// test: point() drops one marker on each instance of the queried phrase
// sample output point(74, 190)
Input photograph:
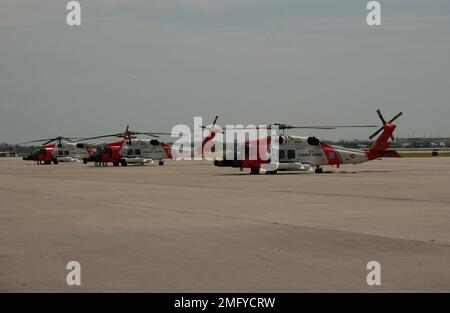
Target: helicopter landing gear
point(115, 163)
point(319, 170)
point(55, 161)
point(161, 162)
point(123, 163)
point(272, 172)
point(254, 170)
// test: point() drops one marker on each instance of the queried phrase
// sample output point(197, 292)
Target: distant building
point(417, 142)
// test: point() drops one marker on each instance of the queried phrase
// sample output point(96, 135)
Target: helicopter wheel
point(272, 172)
point(55, 161)
point(319, 170)
point(161, 162)
point(47, 162)
point(115, 163)
point(254, 170)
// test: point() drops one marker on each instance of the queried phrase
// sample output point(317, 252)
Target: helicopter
point(58, 149)
point(301, 153)
point(129, 149)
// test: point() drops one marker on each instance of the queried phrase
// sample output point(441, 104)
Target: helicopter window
point(281, 155)
point(137, 151)
point(313, 141)
point(66, 152)
point(291, 154)
point(60, 153)
point(130, 152)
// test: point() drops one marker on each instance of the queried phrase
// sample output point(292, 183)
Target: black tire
point(272, 172)
point(319, 170)
point(115, 163)
point(254, 170)
point(47, 162)
point(123, 163)
point(85, 161)
point(161, 162)
point(55, 161)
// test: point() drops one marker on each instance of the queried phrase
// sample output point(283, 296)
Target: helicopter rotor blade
point(283, 126)
point(151, 134)
point(377, 132)
point(34, 141)
point(99, 137)
point(381, 116)
point(331, 126)
point(215, 120)
point(396, 117)
point(49, 140)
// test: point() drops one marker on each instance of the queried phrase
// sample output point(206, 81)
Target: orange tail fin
point(379, 147)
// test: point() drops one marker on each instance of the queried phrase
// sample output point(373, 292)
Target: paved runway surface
point(189, 226)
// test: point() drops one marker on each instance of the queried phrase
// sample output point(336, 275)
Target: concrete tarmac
point(192, 227)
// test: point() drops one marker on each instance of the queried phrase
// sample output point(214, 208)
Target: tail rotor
point(384, 123)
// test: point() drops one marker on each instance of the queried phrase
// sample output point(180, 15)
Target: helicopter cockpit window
point(281, 155)
point(137, 151)
point(60, 153)
point(313, 141)
point(67, 152)
point(130, 152)
point(35, 152)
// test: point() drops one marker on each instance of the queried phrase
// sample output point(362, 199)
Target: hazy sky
point(154, 64)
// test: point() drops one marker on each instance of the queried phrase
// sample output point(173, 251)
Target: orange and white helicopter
point(129, 149)
point(58, 149)
point(299, 153)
